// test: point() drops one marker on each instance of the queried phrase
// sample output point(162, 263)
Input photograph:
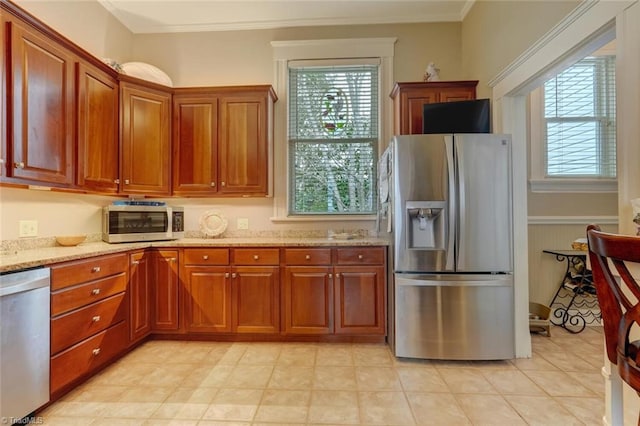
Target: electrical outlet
point(28, 228)
point(243, 223)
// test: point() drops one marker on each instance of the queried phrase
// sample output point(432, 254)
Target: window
point(580, 120)
point(333, 138)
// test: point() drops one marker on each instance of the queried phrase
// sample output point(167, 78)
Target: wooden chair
point(619, 298)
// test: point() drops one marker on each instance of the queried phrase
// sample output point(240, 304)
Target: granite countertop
point(36, 257)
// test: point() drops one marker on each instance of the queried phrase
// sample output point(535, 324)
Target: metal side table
point(575, 300)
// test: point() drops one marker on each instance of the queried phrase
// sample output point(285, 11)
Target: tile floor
point(209, 383)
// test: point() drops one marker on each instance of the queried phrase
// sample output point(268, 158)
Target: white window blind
point(333, 139)
point(580, 120)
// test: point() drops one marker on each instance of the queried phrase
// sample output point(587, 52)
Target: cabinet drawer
point(257, 256)
point(75, 326)
point(76, 297)
point(85, 270)
point(307, 256)
point(360, 256)
point(87, 355)
point(206, 256)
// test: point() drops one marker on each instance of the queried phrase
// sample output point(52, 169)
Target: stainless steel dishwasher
point(24, 349)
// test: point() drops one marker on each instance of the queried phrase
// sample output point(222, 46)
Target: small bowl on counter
point(70, 240)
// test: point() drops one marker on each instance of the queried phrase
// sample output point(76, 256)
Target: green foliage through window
point(333, 139)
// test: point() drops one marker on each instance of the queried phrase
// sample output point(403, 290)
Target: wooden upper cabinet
point(222, 140)
point(145, 140)
point(3, 96)
point(245, 140)
point(195, 144)
point(97, 127)
point(408, 99)
point(42, 107)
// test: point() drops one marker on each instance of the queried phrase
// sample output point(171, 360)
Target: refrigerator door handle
point(451, 231)
point(461, 224)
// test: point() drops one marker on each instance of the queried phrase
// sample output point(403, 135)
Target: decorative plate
point(213, 223)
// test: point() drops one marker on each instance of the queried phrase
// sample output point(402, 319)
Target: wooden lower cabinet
point(139, 297)
point(307, 300)
point(89, 312)
point(164, 291)
point(255, 299)
point(207, 299)
point(359, 300)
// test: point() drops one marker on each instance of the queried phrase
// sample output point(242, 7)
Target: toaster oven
point(142, 222)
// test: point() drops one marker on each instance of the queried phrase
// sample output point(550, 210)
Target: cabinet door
point(453, 94)
point(195, 145)
point(412, 119)
point(43, 112)
point(307, 300)
point(256, 299)
point(359, 299)
point(207, 299)
point(244, 144)
point(145, 140)
point(3, 97)
point(139, 293)
point(97, 128)
point(165, 290)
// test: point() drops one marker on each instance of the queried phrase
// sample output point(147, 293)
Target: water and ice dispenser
point(426, 225)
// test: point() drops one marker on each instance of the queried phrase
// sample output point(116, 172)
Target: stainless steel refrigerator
point(446, 202)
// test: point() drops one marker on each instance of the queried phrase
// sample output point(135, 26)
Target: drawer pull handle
point(135, 262)
point(96, 318)
point(307, 257)
point(360, 256)
point(95, 291)
point(256, 257)
point(96, 352)
point(95, 269)
point(173, 259)
point(205, 257)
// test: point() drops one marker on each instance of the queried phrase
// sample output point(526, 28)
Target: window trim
point(334, 49)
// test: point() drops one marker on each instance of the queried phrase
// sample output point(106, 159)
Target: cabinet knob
point(126, 181)
point(1, 160)
point(205, 257)
point(95, 269)
point(135, 262)
point(213, 184)
point(330, 276)
point(223, 184)
point(173, 259)
point(360, 257)
point(308, 257)
point(96, 352)
point(233, 275)
point(226, 275)
point(96, 318)
point(116, 181)
point(337, 276)
point(19, 165)
point(95, 291)
point(256, 257)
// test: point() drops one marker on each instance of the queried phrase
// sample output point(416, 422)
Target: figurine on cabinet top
point(432, 73)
